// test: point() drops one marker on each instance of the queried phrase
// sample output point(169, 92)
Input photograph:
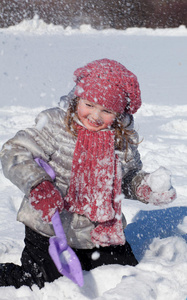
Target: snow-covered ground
point(36, 66)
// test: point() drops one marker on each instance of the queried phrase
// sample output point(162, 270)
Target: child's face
point(94, 116)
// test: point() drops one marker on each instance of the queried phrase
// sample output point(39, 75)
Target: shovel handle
point(49, 170)
point(57, 225)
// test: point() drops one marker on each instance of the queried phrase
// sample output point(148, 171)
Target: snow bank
point(38, 26)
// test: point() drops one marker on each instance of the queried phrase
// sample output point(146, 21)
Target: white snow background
point(36, 68)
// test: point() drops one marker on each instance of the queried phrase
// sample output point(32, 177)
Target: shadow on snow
point(148, 225)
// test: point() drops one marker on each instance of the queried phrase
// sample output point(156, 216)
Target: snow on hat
point(108, 83)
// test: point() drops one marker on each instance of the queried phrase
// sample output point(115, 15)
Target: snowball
point(160, 180)
point(95, 255)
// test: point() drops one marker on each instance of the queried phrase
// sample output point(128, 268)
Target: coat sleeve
point(17, 157)
point(132, 173)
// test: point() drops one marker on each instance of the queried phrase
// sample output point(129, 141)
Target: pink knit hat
point(108, 83)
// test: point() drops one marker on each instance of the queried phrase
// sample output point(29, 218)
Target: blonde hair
point(121, 131)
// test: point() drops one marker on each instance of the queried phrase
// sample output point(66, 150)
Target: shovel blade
point(66, 262)
point(71, 266)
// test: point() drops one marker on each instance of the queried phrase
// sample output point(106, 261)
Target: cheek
point(109, 120)
point(81, 111)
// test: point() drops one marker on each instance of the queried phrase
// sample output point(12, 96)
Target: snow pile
point(37, 62)
point(160, 180)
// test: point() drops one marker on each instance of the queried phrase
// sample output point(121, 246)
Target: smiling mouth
point(95, 124)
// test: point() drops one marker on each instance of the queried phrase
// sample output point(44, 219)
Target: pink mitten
point(47, 198)
point(156, 188)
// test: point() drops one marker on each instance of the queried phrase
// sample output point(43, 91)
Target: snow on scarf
point(95, 185)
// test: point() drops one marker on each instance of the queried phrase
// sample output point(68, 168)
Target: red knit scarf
point(95, 185)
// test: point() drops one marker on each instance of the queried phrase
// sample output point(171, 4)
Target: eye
point(89, 105)
point(107, 111)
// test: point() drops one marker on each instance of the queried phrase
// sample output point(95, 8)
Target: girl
point(92, 148)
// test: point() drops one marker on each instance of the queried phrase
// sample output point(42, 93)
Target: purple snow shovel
point(63, 256)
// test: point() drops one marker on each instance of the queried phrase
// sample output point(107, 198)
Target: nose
point(96, 114)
